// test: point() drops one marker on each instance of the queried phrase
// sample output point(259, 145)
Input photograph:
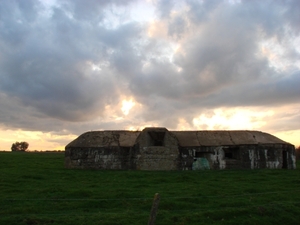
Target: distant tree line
point(19, 146)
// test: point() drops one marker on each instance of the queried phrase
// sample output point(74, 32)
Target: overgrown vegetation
point(37, 189)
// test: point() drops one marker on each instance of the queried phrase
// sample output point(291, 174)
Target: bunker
point(156, 148)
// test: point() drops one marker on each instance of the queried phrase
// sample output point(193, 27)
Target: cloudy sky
point(71, 66)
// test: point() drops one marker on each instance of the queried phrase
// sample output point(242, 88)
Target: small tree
point(19, 146)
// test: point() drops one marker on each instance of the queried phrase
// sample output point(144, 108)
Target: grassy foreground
point(35, 188)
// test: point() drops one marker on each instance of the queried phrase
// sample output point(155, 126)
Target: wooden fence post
point(154, 209)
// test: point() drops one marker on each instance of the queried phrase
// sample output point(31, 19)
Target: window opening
point(231, 152)
point(126, 149)
point(157, 138)
point(199, 154)
point(228, 155)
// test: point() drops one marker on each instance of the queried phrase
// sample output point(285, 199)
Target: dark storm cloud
point(259, 93)
point(224, 50)
point(47, 60)
point(47, 67)
point(220, 63)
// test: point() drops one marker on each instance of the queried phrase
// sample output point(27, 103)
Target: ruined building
point(160, 149)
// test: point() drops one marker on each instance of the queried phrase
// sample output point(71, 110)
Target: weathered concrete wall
point(114, 158)
point(272, 156)
point(160, 149)
point(157, 158)
point(204, 157)
point(157, 149)
point(166, 158)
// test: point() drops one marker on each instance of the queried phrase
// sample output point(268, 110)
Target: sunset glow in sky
point(71, 66)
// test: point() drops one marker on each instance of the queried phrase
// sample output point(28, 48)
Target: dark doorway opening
point(199, 154)
point(284, 159)
point(228, 155)
point(231, 152)
point(157, 138)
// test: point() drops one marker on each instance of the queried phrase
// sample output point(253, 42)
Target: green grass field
point(37, 189)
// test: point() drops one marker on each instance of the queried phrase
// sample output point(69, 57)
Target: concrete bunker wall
point(160, 149)
point(157, 149)
point(113, 158)
point(273, 156)
point(102, 150)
